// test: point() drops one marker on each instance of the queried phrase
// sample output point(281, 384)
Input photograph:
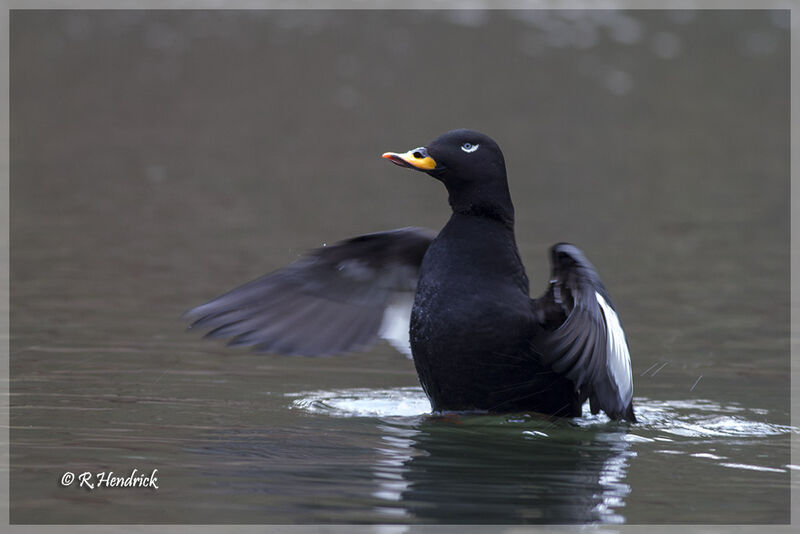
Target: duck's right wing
point(336, 299)
point(581, 336)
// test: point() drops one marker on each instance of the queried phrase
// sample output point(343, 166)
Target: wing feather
point(333, 300)
point(580, 336)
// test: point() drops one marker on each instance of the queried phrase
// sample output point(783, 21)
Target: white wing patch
point(618, 362)
point(396, 323)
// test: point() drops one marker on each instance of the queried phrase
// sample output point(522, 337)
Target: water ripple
point(364, 402)
point(696, 418)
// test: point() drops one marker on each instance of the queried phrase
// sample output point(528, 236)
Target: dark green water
point(160, 158)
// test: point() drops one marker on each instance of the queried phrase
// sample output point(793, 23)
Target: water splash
point(696, 418)
point(702, 418)
point(364, 402)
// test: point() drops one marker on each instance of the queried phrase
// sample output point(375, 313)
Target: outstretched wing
point(581, 336)
point(336, 299)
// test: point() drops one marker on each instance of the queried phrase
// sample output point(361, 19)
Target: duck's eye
point(469, 147)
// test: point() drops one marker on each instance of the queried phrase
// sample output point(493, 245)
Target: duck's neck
point(492, 201)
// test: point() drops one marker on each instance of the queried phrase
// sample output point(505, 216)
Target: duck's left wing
point(580, 335)
point(335, 299)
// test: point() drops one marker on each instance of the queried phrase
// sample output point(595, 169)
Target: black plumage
point(329, 302)
point(479, 342)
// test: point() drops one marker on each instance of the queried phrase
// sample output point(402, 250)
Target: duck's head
point(471, 166)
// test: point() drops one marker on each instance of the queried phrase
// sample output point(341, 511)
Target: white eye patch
point(469, 147)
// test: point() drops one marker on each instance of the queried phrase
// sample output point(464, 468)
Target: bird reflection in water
point(487, 470)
